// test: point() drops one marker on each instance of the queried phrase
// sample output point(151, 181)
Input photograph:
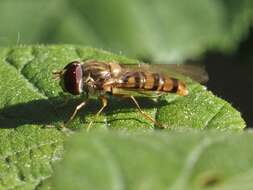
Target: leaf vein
point(37, 180)
point(28, 149)
point(192, 160)
point(20, 71)
point(116, 173)
point(214, 116)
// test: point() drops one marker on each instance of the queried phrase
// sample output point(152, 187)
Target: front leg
point(78, 107)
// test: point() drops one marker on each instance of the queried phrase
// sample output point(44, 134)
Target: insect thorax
point(95, 74)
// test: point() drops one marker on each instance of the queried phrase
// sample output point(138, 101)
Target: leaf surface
point(175, 160)
point(30, 112)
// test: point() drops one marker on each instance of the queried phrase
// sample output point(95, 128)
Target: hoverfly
point(101, 79)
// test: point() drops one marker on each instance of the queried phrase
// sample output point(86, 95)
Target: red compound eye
point(73, 78)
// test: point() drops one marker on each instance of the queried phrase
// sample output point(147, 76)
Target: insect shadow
point(51, 111)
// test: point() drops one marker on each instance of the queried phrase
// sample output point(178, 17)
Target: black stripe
point(156, 81)
point(175, 85)
point(126, 77)
point(137, 79)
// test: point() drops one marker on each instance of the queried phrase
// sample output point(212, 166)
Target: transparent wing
point(196, 72)
point(136, 92)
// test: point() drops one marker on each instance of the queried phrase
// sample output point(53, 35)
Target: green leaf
point(160, 160)
point(30, 113)
point(164, 30)
point(28, 89)
point(26, 156)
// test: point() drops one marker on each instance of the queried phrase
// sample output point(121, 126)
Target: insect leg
point(104, 104)
point(75, 112)
point(145, 114)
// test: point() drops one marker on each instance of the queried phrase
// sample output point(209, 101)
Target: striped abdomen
point(151, 82)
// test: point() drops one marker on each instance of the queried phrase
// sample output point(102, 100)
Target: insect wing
point(196, 72)
point(136, 93)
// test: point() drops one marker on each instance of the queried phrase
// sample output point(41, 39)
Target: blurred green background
point(160, 30)
point(215, 32)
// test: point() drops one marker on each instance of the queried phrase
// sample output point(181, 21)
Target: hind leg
point(145, 114)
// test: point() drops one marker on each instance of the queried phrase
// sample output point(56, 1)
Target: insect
point(124, 80)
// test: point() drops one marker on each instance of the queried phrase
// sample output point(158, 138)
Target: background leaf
point(163, 30)
point(29, 112)
point(174, 160)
